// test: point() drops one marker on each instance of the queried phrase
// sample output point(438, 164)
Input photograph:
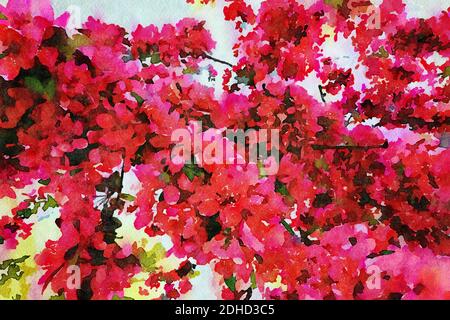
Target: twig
point(122, 172)
point(326, 147)
point(216, 60)
point(322, 94)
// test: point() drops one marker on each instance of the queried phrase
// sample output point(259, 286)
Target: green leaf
point(5, 264)
point(12, 269)
point(34, 85)
point(261, 169)
point(382, 53)
point(50, 203)
point(446, 72)
point(192, 171)
point(334, 3)
point(373, 221)
point(189, 172)
point(281, 188)
point(13, 272)
point(44, 182)
point(37, 86)
point(242, 80)
point(148, 260)
point(25, 213)
point(2, 240)
point(212, 226)
point(50, 89)
point(321, 164)
point(59, 297)
point(193, 274)
point(75, 171)
point(155, 58)
point(72, 44)
point(127, 197)
point(386, 252)
point(35, 208)
point(231, 283)
point(189, 70)
point(116, 297)
point(138, 98)
point(288, 227)
point(227, 231)
point(164, 177)
point(246, 76)
point(253, 280)
point(3, 17)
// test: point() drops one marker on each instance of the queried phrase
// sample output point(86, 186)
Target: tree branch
point(322, 94)
point(122, 173)
point(327, 147)
point(207, 56)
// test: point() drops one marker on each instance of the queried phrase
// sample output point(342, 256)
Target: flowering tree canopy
point(363, 184)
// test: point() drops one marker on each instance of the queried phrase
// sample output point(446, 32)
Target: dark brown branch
point(327, 147)
point(322, 94)
point(418, 123)
point(207, 56)
point(122, 173)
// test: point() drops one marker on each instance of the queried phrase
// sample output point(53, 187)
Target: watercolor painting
point(224, 149)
